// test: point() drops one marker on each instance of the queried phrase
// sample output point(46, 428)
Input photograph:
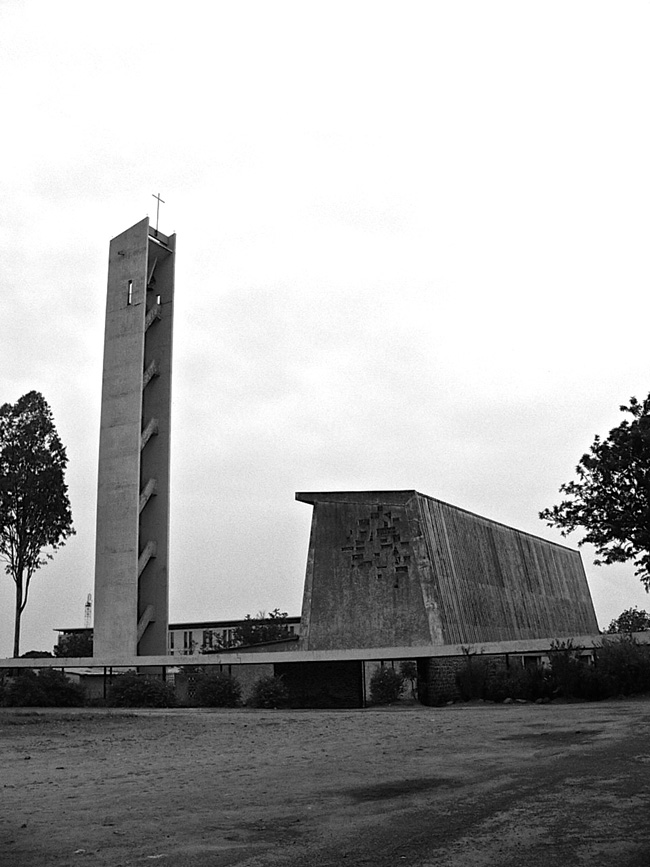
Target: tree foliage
point(409, 670)
point(35, 517)
point(611, 497)
point(253, 630)
point(74, 645)
point(624, 667)
point(45, 688)
point(630, 620)
point(263, 627)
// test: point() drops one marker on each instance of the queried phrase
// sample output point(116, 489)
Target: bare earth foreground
point(476, 785)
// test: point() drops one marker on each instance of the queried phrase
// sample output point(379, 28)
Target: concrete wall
point(437, 678)
point(397, 568)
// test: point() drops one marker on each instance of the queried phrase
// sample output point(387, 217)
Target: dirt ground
point(464, 786)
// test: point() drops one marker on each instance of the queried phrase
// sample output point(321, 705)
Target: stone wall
point(438, 678)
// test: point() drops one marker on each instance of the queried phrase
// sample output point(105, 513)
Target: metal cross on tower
point(158, 201)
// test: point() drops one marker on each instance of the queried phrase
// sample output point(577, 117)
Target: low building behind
point(204, 636)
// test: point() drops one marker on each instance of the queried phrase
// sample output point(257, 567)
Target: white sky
point(412, 253)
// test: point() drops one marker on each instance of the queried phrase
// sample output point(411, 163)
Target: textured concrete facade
point(397, 568)
point(132, 544)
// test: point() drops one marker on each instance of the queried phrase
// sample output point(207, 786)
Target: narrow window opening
point(157, 299)
point(129, 295)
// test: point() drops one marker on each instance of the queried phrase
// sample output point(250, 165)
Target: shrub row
point(51, 688)
point(619, 668)
point(45, 688)
point(211, 689)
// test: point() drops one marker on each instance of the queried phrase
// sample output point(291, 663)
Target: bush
point(620, 668)
point(623, 667)
point(566, 668)
point(386, 685)
point(530, 683)
point(61, 691)
point(47, 688)
point(487, 679)
point(573, 676)
point(138, 690)
point(217, 689)
point(270, 692)
point(592, 686)
point(503, 683)
point(24, 690)
point(471, 678)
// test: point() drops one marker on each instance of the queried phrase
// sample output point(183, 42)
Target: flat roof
point(249, 657)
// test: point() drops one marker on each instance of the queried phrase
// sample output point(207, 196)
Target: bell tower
point(132, 542)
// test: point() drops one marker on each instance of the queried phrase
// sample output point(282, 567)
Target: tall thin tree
point(35, 515)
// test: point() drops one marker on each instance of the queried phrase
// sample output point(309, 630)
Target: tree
point(252, 630)
point(630, 620)
point(261, 628)
point(408, 668)
point(611, 497)
point(35, 516)
point(74, 645)
point(45, 688)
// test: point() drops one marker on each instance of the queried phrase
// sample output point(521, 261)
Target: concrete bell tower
point(132, 543)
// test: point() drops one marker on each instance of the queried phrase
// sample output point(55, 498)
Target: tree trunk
point(19, 601)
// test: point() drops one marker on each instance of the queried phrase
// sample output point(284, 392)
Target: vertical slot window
point(129, 293)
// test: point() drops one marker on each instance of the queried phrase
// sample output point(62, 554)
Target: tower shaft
point(132, 543)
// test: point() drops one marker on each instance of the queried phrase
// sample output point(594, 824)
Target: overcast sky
point(412, 253)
